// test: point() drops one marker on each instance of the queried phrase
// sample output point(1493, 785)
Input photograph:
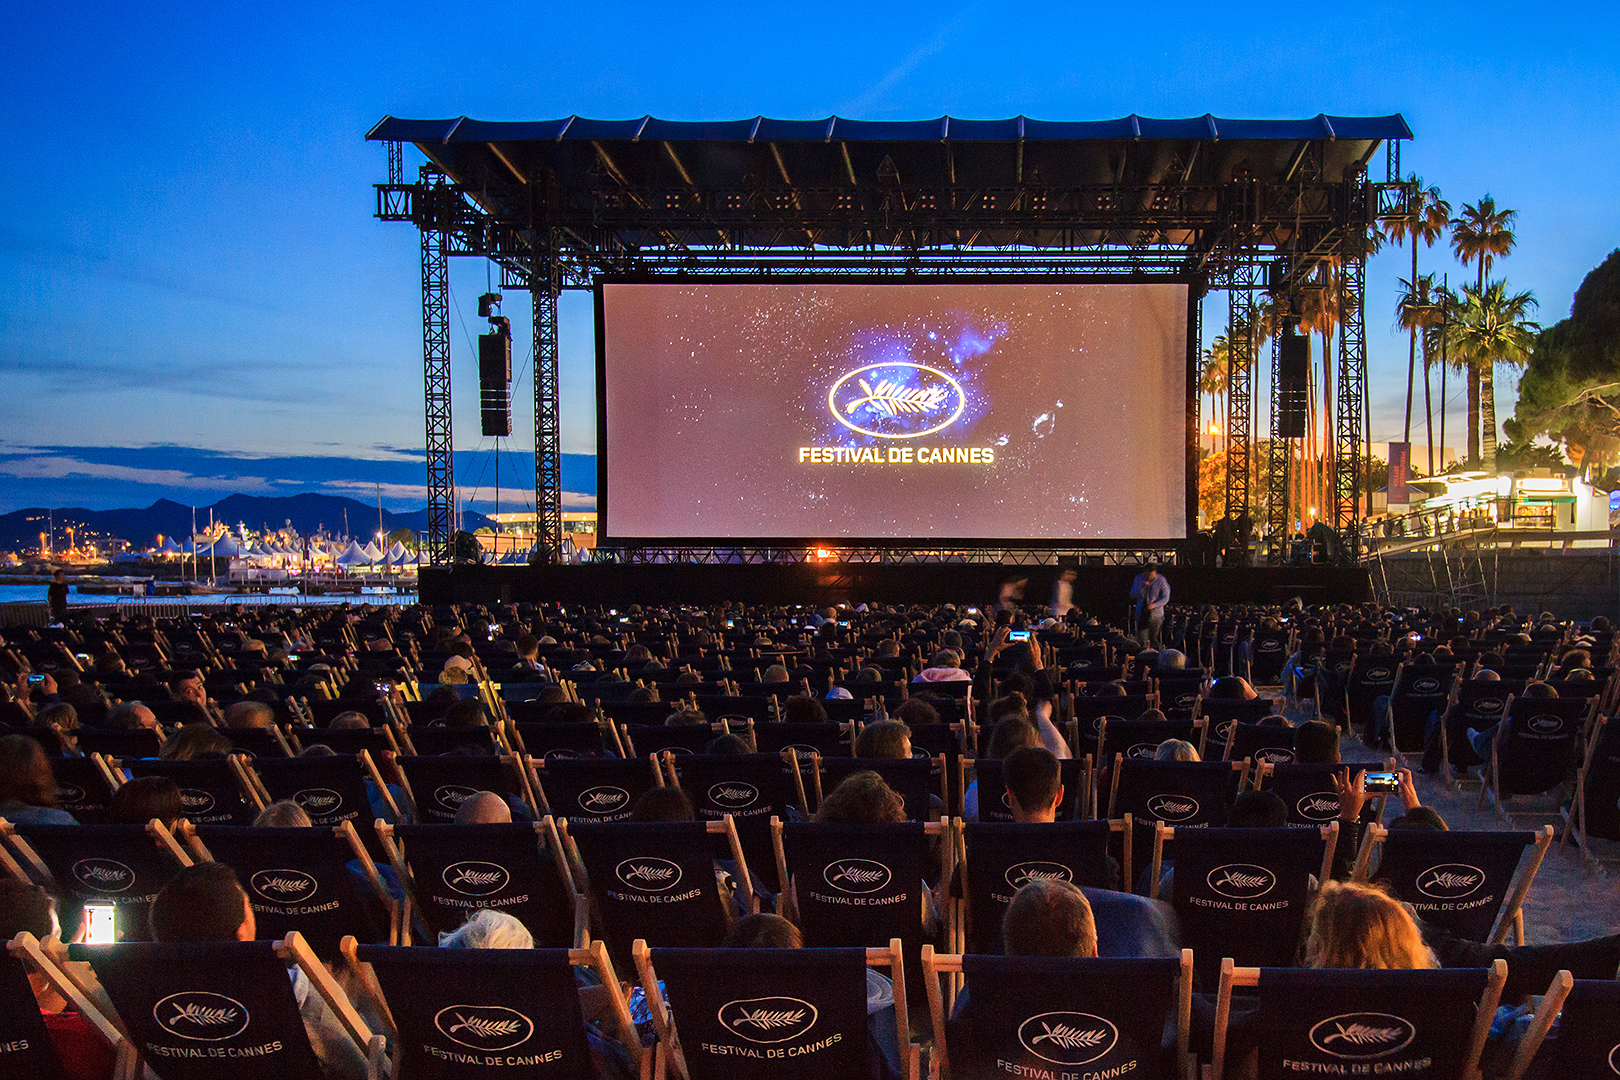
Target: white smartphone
point(99, 924)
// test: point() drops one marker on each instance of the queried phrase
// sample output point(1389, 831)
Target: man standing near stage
point(1151, 592)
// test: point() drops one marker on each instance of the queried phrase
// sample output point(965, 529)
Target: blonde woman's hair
point(1176, 750)
point(1350, 925)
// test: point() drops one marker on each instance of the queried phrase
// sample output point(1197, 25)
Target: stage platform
point(1098, 589)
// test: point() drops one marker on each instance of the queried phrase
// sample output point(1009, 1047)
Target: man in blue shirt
point(1151, 592)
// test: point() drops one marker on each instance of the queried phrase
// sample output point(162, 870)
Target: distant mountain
point(307, 513)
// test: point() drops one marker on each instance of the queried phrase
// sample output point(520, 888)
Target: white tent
point(353, 556)
point(168, 547)
point(373, 552)
point(225, 547)
point(399, 556)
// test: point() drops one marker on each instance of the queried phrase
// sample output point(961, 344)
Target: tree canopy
point(1571, 389)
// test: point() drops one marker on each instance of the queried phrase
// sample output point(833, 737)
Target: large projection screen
point(1024, 413)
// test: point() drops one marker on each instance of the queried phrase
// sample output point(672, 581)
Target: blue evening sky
point(195, 298)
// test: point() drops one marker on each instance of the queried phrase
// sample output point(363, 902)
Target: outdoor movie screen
point(892, 412)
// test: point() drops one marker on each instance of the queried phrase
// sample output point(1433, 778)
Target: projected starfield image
point(1017, 412)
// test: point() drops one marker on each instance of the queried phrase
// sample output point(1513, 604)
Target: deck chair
point(1242, 893)
point(1480, 705)
point(213, 791)
point(1371, 677)
point(375, 741)
point(439, 785)
point(639, 740)
point(299, 879)
point(994, 803)
point(770, 1014)
point(84, 787)
point(487, 1012)
point(828, 740)
point(1089, 710)
point(1039, 1016)
point(1174, 792)
point(1141, 738)
point(553, 741)
point(1260, 743)
point(856, 884)
point(211, 1010)
point(1307, 791)
point(253, 743)
point(429, 741)
point(1588, 1042)
point(1244, 710)
point(330, 789)
point(27, 1051)
point(1596, 809)
point(1420, 692)
point(1269, 650)
point(1429, 1024)
point(656, 881)
point(118, 742)
point(1537, 749)
point(916, 779)
point(451, 871)
point(1469, 883)
point(750, 789)
point(121, 865)
point(999, 858)
point(592, 789)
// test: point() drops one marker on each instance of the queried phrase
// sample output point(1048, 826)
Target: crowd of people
point(204, 687)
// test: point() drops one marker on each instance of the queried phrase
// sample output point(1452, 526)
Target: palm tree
point(1425, 219)
point(1318, 310)
point(1417, 311)
point(1492, 328)
point(1482, 233)
point(1215, 380)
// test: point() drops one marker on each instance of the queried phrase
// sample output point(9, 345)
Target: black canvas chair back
point(995, 805)
point(1588, 1043)
point(1483, 702)
point(1455, 880)
point(26, 1050)
point(1179, 793)
point(483, 1012)
point(82, 788)
point(554, 741)
point(1259, 742)
point(1002, 858)
point(653, 881)
point(1306, 790)
point(1241, 893)
point(936, 740)
point(804, 739)
point(330, 789)
point(1038, 1017)
point(374, 741)
point(1597, 812)
point(1179, 696)
point(1088, 710)
point(1540, 746)
point(856, 884)
point(202, 1011)
point(1425, 1024)
point(1141, 738)
point(1420, 691)
point(644, 739)
point(1371, 677)
point(255, 742)
point(119, 742)
point(122, 865)
point(768, 1014)
point(1220, 710)
point(210, 793)
point(749, 787)
point(441, 784)
point(590, 789)
point(297, 879)
point(455, 870)
point(916, 779)
point(1270, 653)
point(429, 741)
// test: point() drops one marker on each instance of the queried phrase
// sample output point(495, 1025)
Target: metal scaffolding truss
point(1046, 556)
point(1221, 204)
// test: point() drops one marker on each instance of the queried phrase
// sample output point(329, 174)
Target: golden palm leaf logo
point(896, 400)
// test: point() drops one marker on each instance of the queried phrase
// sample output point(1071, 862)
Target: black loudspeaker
point(1292, 378)
point(494, 382)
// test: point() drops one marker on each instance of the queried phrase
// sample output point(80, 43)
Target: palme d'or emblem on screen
point(896, 400)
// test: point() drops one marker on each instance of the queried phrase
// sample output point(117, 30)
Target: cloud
point(367, 490)
point(875, 95)
point(59, 468)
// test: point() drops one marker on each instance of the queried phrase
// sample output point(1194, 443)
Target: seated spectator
point(946, 666)
point(1483, 741)
point(884, 739)
point(1316, 743)
point(255, 715)
point(468, 713)
point(861, 799)
point(194, 742)
point(28, 790)
point(1176, 750)
point(1232, 688)
point(776, 673)
point(1049, 918)
point(917, 712)
point(206, 903)
point(1258, 810)
point(283, 814)
point(728, 745)
point(84, 1053)
point(488, 929)
point(1170, 662)
point(1034, 784)
point(685, 717)
point(131, 715)
point(55, 725)
point(804, 709)
point(349, 721)
point(1351, 925)
point(663, 804)
point(483, 808)
point(138, 801)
